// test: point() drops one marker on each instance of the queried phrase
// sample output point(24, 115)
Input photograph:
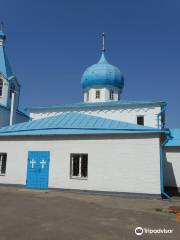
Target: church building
point(9, 91)
point(103, 144)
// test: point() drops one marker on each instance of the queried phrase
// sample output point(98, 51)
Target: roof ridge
point(102, 104)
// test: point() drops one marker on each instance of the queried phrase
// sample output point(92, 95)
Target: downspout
point(162, 159)
point(163, 109)
point(12, 109)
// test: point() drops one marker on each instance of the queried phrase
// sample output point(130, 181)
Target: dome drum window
point(111, 94)
point(98, 94)
point(1, 87)
point(87, 96)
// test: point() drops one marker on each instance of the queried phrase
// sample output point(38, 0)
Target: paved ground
point(61, 215)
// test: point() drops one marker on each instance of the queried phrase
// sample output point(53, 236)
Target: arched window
point(1, 87)
point(12, 89)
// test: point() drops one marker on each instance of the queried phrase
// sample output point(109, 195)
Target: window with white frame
point(111, 94)
point(79, 165)
point(98, 94)
point(3, 158)
point(1, 87)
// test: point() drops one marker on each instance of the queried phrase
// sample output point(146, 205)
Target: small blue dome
point(101, 74)
point(2, 35)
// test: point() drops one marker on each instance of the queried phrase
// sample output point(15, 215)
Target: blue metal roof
point(102, 73)
point(99, 105)
point(175, 141)
point(5, 68)
point(17, 111)
point(73, 123)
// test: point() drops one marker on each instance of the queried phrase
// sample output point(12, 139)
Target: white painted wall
point(172, 167)
point(128, 114)
point(126, 164)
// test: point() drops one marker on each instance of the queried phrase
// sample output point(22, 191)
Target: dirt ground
point(63, 215)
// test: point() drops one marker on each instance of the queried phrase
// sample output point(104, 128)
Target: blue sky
point(51, 42)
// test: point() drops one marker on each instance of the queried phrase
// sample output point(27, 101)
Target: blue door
point(38, 169)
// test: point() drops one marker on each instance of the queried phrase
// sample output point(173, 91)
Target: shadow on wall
point(171, 187)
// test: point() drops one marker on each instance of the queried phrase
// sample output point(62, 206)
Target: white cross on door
point(43, 163)
point(32, 162)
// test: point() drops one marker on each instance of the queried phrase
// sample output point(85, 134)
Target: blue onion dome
point(101, 74)
point(2, 35)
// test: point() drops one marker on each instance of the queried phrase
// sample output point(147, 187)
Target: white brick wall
point(121, 114)
point(172, 167)
point(127, 164)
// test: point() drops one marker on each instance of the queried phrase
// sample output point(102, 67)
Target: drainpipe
point(12, 108)
point(162, 159)
point(163, 109)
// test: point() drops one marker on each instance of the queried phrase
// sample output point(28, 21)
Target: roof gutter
point(162, 159)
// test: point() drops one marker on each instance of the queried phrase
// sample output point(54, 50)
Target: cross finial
point(103, 42)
